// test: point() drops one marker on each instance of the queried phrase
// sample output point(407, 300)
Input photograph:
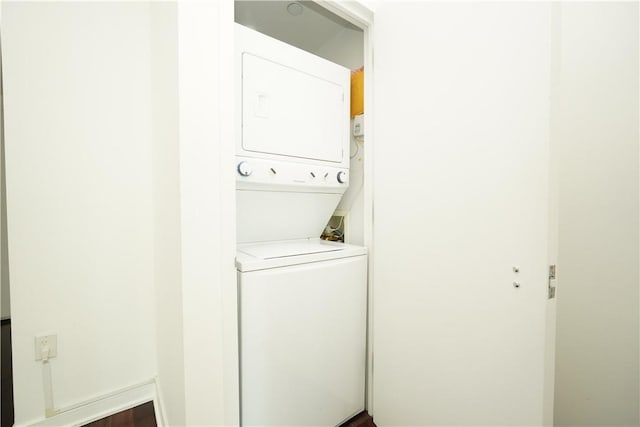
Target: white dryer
point(294, 106)
point(292, 139)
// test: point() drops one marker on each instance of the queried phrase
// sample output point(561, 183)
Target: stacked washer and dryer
point(302, 300)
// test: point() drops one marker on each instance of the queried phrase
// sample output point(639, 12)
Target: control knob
point(244, 168)
point(342, 177)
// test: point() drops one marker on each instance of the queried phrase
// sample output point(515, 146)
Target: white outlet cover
point(46, 340)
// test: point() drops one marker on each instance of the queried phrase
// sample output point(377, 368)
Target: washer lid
point(286, 249)
point(260, 256)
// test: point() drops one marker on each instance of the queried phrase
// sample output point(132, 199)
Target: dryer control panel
point(253, 173)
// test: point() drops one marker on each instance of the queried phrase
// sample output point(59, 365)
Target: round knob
point(342, 177)
point(244, 168)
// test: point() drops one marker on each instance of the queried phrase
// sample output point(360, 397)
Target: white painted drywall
point(5, 307)
point(79, 196)
point(309, 31)
point(207, 197)
point(200, 210)
point(166, 207)
point(461, 141)
point(595, 132)
point(346, 48)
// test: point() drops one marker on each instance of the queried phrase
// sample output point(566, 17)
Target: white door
point(302, 343)
point(461, 186)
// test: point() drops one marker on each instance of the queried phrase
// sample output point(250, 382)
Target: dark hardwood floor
point(363, 419)
point(139, 416)
point(143, 416)
point(6, 374)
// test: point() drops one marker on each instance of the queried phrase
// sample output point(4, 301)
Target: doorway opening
point(339, 33)
point(310, 27)
point(5, 315)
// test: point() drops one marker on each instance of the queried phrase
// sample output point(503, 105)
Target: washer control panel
point(252, 172)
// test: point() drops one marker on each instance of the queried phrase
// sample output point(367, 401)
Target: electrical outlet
point(46, 341)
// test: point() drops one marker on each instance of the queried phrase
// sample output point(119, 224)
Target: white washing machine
point(302, 332)
point(302, 301)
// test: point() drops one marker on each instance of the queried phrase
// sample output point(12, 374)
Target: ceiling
point(309, 31)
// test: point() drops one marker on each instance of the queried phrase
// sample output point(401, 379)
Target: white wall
point(345, 48)
point(122, 241)
point(166, 206)
point(207, 197)
point(5, 307)
point(79, 195)
point(461, 183)
point(595, 132)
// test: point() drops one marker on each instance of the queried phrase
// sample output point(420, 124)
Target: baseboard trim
point(103, 406)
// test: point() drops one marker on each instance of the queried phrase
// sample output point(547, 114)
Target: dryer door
point(289, 112)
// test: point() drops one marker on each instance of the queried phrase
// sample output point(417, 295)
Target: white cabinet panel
point(282, 215)
point(302, 343)
point(461, 185)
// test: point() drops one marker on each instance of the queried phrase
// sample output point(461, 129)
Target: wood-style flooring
point(139, 416)
point(363, 419)
point(143, 416)
point(6, 371)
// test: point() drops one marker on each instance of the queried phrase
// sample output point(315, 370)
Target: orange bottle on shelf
point(357, 92)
